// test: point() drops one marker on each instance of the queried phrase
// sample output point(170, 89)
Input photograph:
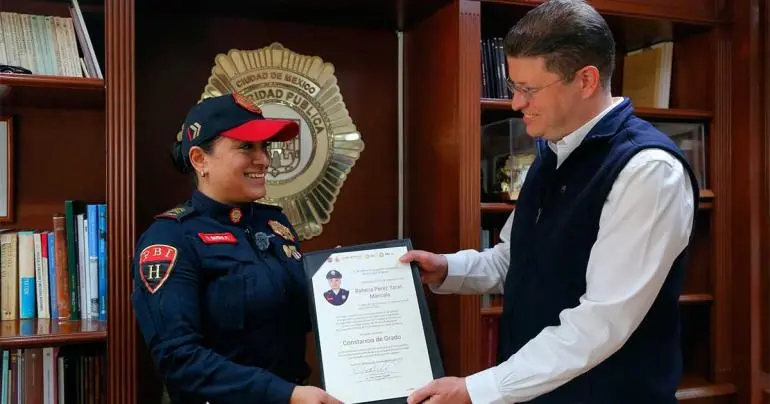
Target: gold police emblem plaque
point(307, 173)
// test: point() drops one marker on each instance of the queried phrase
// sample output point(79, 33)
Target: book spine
point(26, 275)
point(63, 281)
point(102, 209)
point(52, 281)
point(9, 303)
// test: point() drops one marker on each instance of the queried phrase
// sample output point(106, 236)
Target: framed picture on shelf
point(507, 152)
point(6, 169)
point(690, 137)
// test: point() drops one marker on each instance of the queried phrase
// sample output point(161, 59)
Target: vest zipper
point(537, 218)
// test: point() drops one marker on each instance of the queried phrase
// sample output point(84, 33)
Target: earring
point(204, 174)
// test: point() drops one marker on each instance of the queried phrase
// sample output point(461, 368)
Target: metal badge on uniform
point(262, 241)
point(218, 238)
point(235, 215)
point(281, 230)
point(155, 265)
point(291, 251)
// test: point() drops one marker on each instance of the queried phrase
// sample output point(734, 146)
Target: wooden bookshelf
point(716, 285)
point(20, 90)
point(47, 332)
point(667, 113)
point(687, 298)
point(706, 202)
point(62, 150)
point(694, 388)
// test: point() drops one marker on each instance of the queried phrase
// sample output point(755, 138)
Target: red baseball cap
point(257, 130)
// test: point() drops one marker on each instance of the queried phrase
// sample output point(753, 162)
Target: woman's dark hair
point(180, 159)
point(568, 34)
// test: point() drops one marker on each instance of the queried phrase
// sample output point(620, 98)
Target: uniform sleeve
point(166, 303)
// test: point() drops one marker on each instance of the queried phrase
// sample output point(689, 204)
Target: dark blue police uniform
point(221, 301)
point(338, 297)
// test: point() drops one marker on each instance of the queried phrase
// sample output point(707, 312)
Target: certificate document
point(374, 338)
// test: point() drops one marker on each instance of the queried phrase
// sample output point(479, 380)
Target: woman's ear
point(197, 159)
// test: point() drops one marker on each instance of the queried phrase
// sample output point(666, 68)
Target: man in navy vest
point(591, 262)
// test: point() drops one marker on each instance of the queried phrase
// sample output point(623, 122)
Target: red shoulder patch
point(155, 265)
point(218, 238)
point(246, 103)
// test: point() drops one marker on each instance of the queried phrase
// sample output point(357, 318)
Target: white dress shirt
point(644, 225)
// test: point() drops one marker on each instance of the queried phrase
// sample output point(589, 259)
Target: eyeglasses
point(526, 92)
point(14, 69)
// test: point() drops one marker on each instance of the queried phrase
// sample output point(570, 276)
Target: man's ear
point(590, 80)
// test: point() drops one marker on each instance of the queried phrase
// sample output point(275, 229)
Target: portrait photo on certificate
point(374, 338)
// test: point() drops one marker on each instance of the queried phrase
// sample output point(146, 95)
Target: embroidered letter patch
point(218, 238)
point(155, 265)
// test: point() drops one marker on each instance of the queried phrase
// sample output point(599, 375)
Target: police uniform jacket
point(221, 302)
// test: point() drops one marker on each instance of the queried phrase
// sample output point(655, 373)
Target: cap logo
point(246, 103)
point(193, 131)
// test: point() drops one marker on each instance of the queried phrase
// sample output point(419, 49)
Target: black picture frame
point(314, 260)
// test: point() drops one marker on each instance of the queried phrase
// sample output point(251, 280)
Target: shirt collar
point(562, 148)
point(224, 213)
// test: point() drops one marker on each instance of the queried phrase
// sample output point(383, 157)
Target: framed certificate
point(374, 337)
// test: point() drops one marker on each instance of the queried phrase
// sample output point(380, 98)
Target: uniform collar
point(564, 147)
point(222, 212)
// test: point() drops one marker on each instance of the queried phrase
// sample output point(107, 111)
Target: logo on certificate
point(336, 295)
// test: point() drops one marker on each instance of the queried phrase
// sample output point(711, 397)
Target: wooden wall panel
point(469, 125)
point(122, 380)
point(749, 181)
point(761, 282)
point(721, 149)
point(443, 195)
point(174, 60)
point(433, 157)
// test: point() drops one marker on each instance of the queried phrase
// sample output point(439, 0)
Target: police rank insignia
point(291, 251)
point(178, 212)
point(235, 215)
point(281, 230)
point(155, 265)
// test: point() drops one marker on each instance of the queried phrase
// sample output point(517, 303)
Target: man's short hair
point(568, 34)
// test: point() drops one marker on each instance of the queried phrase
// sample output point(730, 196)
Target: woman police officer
point(220, 295)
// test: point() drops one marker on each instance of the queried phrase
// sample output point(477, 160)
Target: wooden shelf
point(696, 298)
point(687, 298)
point(693, 388)
point(24, 90)
point(706, 202)
point(658, 113)
point(497, 207)
point(45, 332)
point(691, 11)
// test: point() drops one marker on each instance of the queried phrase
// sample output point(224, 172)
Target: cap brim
point(260, 130)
